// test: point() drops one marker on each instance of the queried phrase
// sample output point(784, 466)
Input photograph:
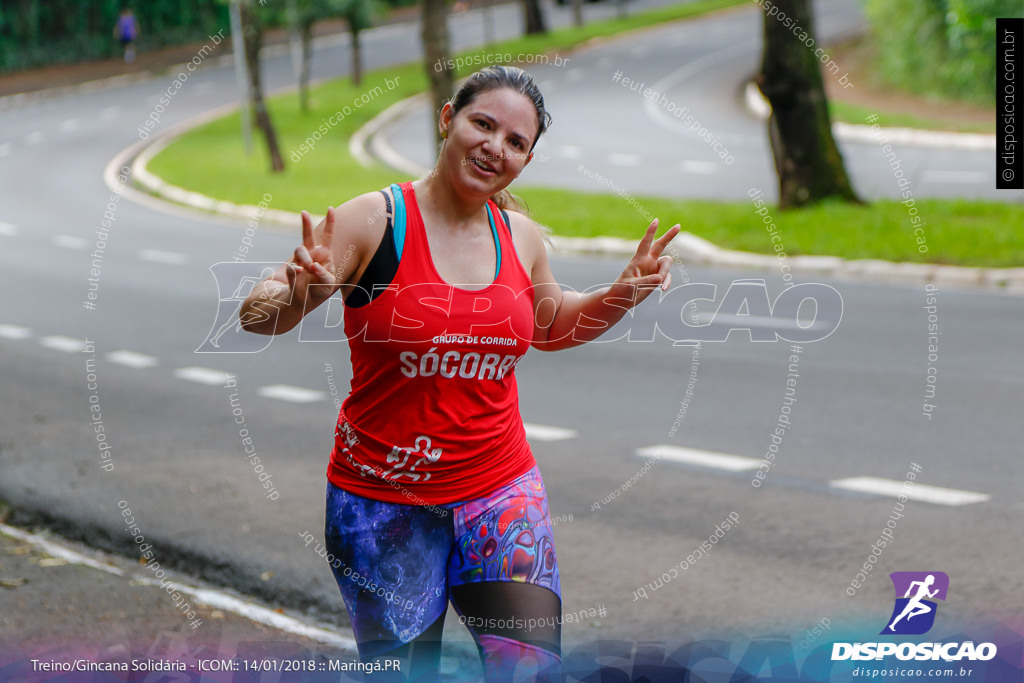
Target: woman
point(433, 493)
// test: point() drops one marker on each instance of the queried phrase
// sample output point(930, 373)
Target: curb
point(855, 132)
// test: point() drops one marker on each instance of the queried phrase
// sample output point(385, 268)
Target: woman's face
point(489, 140)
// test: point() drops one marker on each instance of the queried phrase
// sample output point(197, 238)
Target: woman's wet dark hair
point(498, 76)
point(492, 78)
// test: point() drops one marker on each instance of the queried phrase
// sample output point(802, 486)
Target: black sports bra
point(381, 269)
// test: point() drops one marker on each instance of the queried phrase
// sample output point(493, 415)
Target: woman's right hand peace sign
point(311, 270)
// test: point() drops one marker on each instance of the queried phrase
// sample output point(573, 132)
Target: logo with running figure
point(914, 612)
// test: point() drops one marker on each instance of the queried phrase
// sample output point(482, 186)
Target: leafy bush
point(944, 48)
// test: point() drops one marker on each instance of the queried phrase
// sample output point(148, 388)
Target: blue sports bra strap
point(399, 226)
point(497, 241)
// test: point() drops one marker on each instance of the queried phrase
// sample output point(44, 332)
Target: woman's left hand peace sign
point(648, 269)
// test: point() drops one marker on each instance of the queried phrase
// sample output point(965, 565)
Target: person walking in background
point(127, 31)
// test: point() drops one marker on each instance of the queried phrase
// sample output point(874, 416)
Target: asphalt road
point(176, 456)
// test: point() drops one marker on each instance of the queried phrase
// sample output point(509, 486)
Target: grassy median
point(210, 159)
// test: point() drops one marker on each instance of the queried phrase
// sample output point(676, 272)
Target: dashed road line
point(619, 159)
point(760, 321)
point(5, 149)
point(132, 359)
point(15, 332)
point(207, 376)
point(8, 230)
point(159, 256)
point(548, 433)
point(569, 151)
point(59, 342)
point(68, 125)
point(69, 242)
point(699, 167)
point(574, 75)
point(937, 495)
point(34, 138)
point(693, 456)
point(287, 392)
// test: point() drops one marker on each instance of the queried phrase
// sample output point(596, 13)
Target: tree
point(359, 14)
point(807, 160)
point(303, 14)
point(534, 17)
point(437, 56)
point(577, 12)
point(252, 39)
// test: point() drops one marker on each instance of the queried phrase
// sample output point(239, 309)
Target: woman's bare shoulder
point(528, 237)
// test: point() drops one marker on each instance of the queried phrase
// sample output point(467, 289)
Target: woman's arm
point(330, 256)
point(566, 319)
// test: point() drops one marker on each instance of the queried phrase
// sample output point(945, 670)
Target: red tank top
point(433, 412)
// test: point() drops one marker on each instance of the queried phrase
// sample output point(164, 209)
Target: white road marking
point(15, 332)
point(34, 138)
point(640, 51)
point(569, 151)
point(286, 392)
point(131, 359)
point(68, 126)
point(202, 375)
point(693, 456)
point(955, 177)
point(8, 230)
point(546, 433)
point(69, 241)
point(760, 321)
point(59, 342)
point(573, 75)
point(51, 548)
point(701, 167)
point(603, 62)
point(257, 613)
point(5, 149)
point(210, 598)
point(619, 159)
point(109, 112)
point(158, 256)
point(936, 495)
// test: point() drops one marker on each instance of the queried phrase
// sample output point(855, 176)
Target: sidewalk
point(66, 605)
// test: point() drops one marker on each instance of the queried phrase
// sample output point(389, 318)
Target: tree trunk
point(534, 17)
point(306, 63)
point(437, 57)
point(252, 32)
point(357, 55)
point(809, 165)
point(577, 12)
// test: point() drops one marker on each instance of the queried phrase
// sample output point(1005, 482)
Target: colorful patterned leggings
point(493, 557)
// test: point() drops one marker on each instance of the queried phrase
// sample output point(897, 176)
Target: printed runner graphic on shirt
point(422, 449)
point(399, 455)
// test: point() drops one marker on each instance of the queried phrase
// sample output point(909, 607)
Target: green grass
point(851, 113)
point(210, 159)
point(960, 232)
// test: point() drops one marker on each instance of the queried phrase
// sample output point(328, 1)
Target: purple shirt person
point(127, 30)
